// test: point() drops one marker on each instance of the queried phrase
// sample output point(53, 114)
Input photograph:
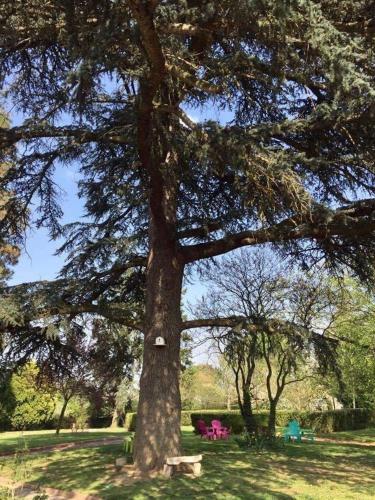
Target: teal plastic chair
point(292, 432)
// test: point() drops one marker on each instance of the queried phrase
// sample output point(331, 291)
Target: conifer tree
point(108, 85)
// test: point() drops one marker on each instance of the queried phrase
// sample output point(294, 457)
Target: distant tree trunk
point(271, 430)
point(228, 401)
point(115, 418)
point(158, 433)
point(62, 414)
point(247, 412)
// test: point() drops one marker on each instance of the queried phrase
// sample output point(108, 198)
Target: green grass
point(10, 441)
point(362, 435)
point(297, 471)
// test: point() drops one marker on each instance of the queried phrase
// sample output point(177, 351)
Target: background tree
point(7, 400)
point(226, 380)
point(106, 85)
point(126, 401)
point(113, 356)
point(89, 358)
point(200, 388)
point(281, 319)
point(34, 400)
point(66, 366)
point(356, 322)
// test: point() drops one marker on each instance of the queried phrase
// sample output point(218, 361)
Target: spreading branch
point(11, 136)
point(357, 219)
point(272, 326)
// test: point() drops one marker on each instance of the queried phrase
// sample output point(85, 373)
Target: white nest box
point(160, 342)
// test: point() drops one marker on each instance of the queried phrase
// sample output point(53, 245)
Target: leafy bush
point(100, 422)
point(259, 443)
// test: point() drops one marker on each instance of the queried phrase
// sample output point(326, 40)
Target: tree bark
point(158, 434)
point(272, 419)
point(61, 416)
point(115, 418)
point(247, 412)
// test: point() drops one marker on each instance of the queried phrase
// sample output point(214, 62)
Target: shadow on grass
point(316, 470)
point(11, 441)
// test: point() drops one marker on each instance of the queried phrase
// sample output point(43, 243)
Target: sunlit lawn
point(10, 441)
point(302, 471)
point(362, 435)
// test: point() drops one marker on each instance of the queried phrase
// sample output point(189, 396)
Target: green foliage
point(130, 421)
point(34, 401)
point(325, 421)
point(330, 421)
point(187, 416)
point(233, 420)
point(295, 76)
point(104, 86)
point(7, 402)
point(129, 448)
point(260, 442)
point(356, 355)
point(79, 411)
point(200, 388)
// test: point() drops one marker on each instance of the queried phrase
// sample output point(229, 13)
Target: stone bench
point(173, 462)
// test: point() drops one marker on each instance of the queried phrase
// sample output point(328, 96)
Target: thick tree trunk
point(158, 433)
point(61, 417)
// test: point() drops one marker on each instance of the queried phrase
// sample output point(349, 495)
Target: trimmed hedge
point(130, 422)
point(330, 421)
point(131, 418)
point(231, 419)
point(320, 421)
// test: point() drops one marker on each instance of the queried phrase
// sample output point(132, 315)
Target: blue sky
point(37, 257)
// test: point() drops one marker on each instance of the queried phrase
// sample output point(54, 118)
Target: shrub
point(130, 421)
point(259, 443)
point(320, 421)
point(100, 422)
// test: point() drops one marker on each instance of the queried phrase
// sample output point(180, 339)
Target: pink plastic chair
point(220, 431)
point(204, 431)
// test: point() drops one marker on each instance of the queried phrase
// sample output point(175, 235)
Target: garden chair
point(204, 431)
point(292, 432)
point(220, 431)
